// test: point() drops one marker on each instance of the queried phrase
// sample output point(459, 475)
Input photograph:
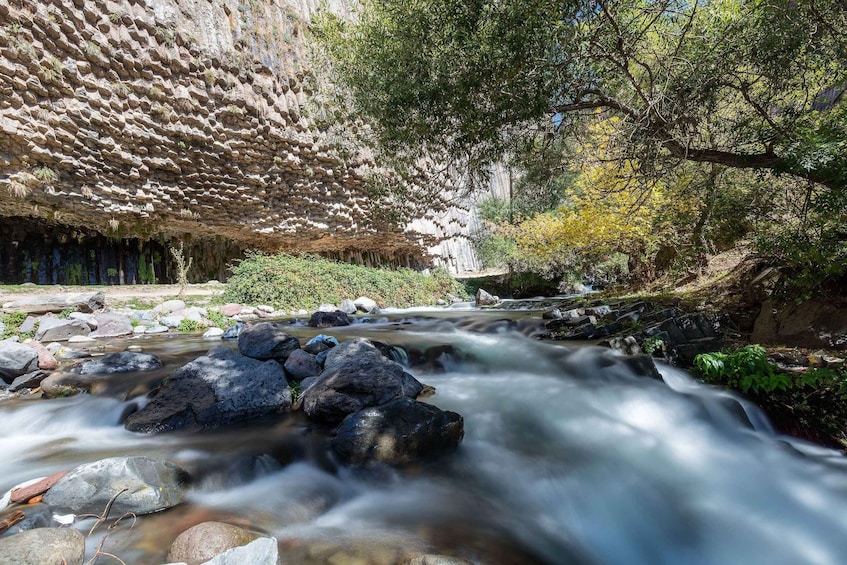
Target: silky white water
point(568, 457)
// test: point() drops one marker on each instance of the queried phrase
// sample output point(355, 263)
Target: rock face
point(122, 362)
point(150, 485)
point(178, 117)
point(398, 432)
point(267, 340)
point(813, 324)
point(216, 389)
point(43, 545)
point(356, 378)
point(204, 541)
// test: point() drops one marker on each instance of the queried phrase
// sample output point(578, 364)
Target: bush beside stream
point(308, 281)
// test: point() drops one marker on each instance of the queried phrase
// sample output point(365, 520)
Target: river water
point(568, 457)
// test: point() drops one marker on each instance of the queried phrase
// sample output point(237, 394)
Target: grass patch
point(306, 282)
point(191, 326)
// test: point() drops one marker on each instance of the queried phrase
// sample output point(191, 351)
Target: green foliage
point(66, 313)
point(45, 174)
point(13, 321)
point(746, 370)
point(218, 318)
point(191, 326)
point(653, 345)
point(73, 274)
point(305, 282)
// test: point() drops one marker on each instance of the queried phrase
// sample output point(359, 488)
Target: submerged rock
point(122, 362)
point(138, 484)
point(43, 545)
point(398, 432)
point(216, 389)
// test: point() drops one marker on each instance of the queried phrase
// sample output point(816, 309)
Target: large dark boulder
point(137, 484)
point(122, 362)
point(329, 319)
point(267, 340)
point(398, 432)
point(216, 389)
point(356, 376)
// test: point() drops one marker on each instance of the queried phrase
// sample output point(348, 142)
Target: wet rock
point(34, 516)
point(263, 551)
point(23, 494)
point(347, 306)
point(29, 381)
point(43, 545)
point(483, 298)
point(301, 365)
point(157, 329)
point(216, 389)
point(62, 385)
point(397, 432)
point(348, 350)
point(642, 365)
point(267, 340)
point(234, 331)
point(43, 304)
point(204, 541)
point(329, 319)
point(366, 305)
point(351, 384)
point(111, 325)
point(84, 338)
point(16, 359)
point(122, 362)
point(57, 329)
point(140, 485)
point(320, 343)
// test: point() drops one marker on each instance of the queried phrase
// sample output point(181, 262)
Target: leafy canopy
point(753, 84)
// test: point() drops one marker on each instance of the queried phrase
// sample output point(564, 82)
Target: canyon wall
point(188, 120)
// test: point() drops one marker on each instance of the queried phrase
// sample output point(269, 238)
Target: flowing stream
point(568, 457)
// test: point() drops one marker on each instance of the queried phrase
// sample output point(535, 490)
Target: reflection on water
point(568, 457)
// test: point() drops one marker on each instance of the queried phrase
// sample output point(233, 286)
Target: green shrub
point(217, 317)
point(190, 326)
point(305, 282)
point(13, 321)
point(746, 370)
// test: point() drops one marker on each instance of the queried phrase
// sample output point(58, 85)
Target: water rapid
point(569, 457)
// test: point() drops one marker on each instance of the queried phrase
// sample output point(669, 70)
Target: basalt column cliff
point(126, 126)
